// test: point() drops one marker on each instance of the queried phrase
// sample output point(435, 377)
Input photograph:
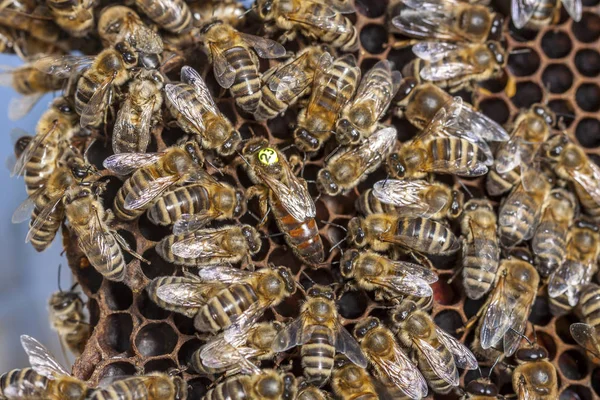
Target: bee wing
point(377, 92)
point(128, 125)
point(444, 71)
point(41, 360)
point(20, 106)
point(237, 333)
point(404, 285)
point(265, 48)
point(290, 79)
point(403, 373)
point(37, 141)
point(97, 103)
point(190, 76)
point(294, 196)
point(224, 72)
point(346, 344)
point(509, 156)
point(424, 19)
point(482, 125)
point(574, 8)
point(372, 151)
point(463, 357)
point(188, 223)
point(324, 20)
point(519, 315)
point(434, 51)
point(404, 193)
point(43, 217)
point(126, 163)
point(497, 318)
point(521, 11)
point(416, 243)
point(176, 95)
point(218, 353)
point(569, 273)
point(414, 270)
point(290, 336)
point(589, 182)
point(23, 212)
point(341, 6)
point(586, 336)
point(437, 363)
point(484, 248)
point(188, 294)
point(219, 273)
point(62, 66)
point(149, 193)
point(201, 244)
point(524, 392)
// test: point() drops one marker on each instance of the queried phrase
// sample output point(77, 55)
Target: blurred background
point(27, 278)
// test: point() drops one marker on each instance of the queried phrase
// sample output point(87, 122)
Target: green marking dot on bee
point(268, 156)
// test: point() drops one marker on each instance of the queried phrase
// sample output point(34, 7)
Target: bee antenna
point(466, 189)
point(59, 268)
point(308, 277)
point(337, 245)
point(334, 224)
point(243, 158)
point(520, 51)
point(212, 165)
point(493, 366)
point(332, 153)
point(523, 336)
point(289, 146)
point(244, 14)
point(273, 235)
point(318, 197)
point(250, 213)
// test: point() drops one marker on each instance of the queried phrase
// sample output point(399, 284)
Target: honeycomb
point(561, 68)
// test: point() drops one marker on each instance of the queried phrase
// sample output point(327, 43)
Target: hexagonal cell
point(470, 307)
point(281, 256)
point(110, 192)
point(587, 30)
point(282, 127)
point(445, 293)
point(155, 340)
point(184, 324)
point(149, 309)
point(118, 369)
point(562, 328)
point(374, 38)
point(588, 97)
point(87, 275)
point(496, 109)
point(547, 342)
point(556, 44)
point(587, 62)
point(94, 311)
point(157, 267)
point(372, 9)
point(290, 306)
point(522, 35)
point(564, 111)
point(198, 387)
point(366, 64)
point(522, 62)
point(151, 231)
point(576, 392)
point(322, 211)
point(172, 136)
point(184, 356)
point(401, 57)
point(588, 132)
point(573, 365)
point(130, 240)
point(227, 108)
point(160, 365)
point(98, 152)
point(118, 296)
point(352, 304)
point(527, 94)
point(118, 332)
point(540, 312)
point(558, 78)
point(450, 321)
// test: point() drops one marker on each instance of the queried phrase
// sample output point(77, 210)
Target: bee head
point(346, 132)
point(498, 53)
point(129, 55)
point(240, 204)
point(495, 32)
point(545, 113)
point(266, 9)
point(60, 301)
point(555, 146)
point(180, 388)
point(322, 291)
point(347, 263)
point(64, 106)
point(326, 183)
point(231, 144)
point(456, 204)
point(396, 166)
point(362, 328)
point(530, 354)
point(289, 387)
point(482, 388)
point(403, 311)
point(252, 238)
point(150, 61)
point(305, 140)
point(356, 233)
point(209, 25)
point(288, 279)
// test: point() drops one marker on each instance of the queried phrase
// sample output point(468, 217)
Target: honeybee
point(192, 105)
point(578, 267)
point(284, 84)
point(268, 384)
point(550, 239)
point(317, 20)
point(389, 279)
point(210, 246)
point(171, 15)
point(447, 20)
point(360, 116)
point(452, 143)
point(221, 296)
point(391, 365)
point(234, 350)
point(481, 250)
point(572, 164)
point(520, 212)
point(383, 231)
point(503, 317)
point(192, 206)
point(586, 333)
point(438, 353)
point(417, 198)
point(235, 66)
point(154, 173)
point(351, 165)
point(513, 158)
point(131, 132)
point(349, 381)
point(119, 23)
point(287, 195)
point(74, 17)
point(333, 86)
point(535, 377)
point(321, 335)
point(54, 131)
point(35, 22)
point(46, 379)
point(153, 386)
point(540, 13)
point(456, 66)
point(230, 12)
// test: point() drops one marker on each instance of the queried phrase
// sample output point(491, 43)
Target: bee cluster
point(313, 199)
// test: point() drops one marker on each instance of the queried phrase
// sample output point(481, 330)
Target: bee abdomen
point(111, 267)
point(163, 248)
point(497, 184)
point(588, 203)
point(479, 273)
point(317, 356)
point(236, 388)
point(451, 149)
point(23, 384)
point(560, 306)
point(176, 19)
point(152, 287)
point(138, 182)
point(44, 234)
point(224, 308)
point(437, 384)
point(590, 305)
point(442, 239)
point(184, 200)
point(40, 167)
point(549, 247)
point(367, 204)
point(345, 39)
point(246, 86)
point(516, 220)
point(130, 388)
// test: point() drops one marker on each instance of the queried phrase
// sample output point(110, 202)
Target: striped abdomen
point(153, 286)
point(346, 37)
point(497, 184)
point(272, 104)
point(169, 207)
point(317, 355)
point(560, 306)
point(163, 248)
point(134, 186)
point(517, 219)
point(246, 85)
point(589, 304)
point(549, 247)
point(41, 165)
point(236, 388)
point(44, 234)
point(367, 204)
point(111, 266)
point(225, 307)
point(543, 13)
point(303, 237)
point(479, 273)
point(435, 382)
point(28, 81)
point(172, 15)
point(589, 204)
point(442, 240)
point(24, 384)
point(132, 388)
point(443, 152)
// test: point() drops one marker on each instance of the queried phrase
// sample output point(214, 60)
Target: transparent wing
point(497, 317)
point(405, 194)
point(20, 106)
point(155, 187)
point(97, 104)
point(434, 51)
point(41, 360)
point(224, 72)
point(201, 244)
point(371, 152)
point(189, 223)
point(589, 180)
point(377, 88)
point(23, 212)
point(403, 373)
point(176, 95)
point(519, 314)
point(444, 71)
point(218, 353)
point(509, 156)
point(586, 336)
point(521, 11)
point(324, 20)
point(265, 48)
point(129, 125)
point(322, 88)
point(63, 66)
point(290, 79)
point(31, 149)
point(43, 217)
point(424, 19)
point(404, 285)
point(186, 294)
point(290, 336)
point(95, 237)
point(411, 238)
point(463, 357)
point(190, 76)
point(437, 363)
point(341, 6)
point(569, 274)
point(126, 163)
point(482, 125)
point(346, 344)
point(224, 274)
point(573, 7)
point(485, 244)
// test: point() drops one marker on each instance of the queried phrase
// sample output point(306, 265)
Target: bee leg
point(421, 259)
point(128, 249)
point(400, 44)
point(287, 36)
point(263, 200)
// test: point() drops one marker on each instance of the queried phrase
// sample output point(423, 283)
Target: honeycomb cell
point(87, 275)
point(118, 328)
point(152, 146)
point(595, 378)
point(352, 304)
point(401, 57)
point(118, 369)
point(496, 85)
point(450, 321)
point(556, 44)
point(227, 108)
point(282, 126)
point(564, 111)
point(253, 129)
point(528, 93)
point(98, 151)
point(587, 62)
point(588, 132)
point(522, 35)
point(374, 38)
point(405, 129)
point(573, 365)
point(290, 306)
point(576, 392)
point(588, 97)
point(496, 109)
point(522, 62)
point(187, 350)
point(172, 136)
point(94, 311)
point(118, 296)
point(157, 266)
point(540, 312)
point(159, 365)
point(130, 240)
point(198, 387)
point(588, 29)
point(322, 211)
point(445, 293)
point(155, 340)
point(149, 309)
point(371, 9)
point(562, 325)
point(113, 184)
point(366, 64)
point(282, 256)
point(184, 324)
point(151, 231)
point(471, 306)
point(557, 78)
point(547, 342)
